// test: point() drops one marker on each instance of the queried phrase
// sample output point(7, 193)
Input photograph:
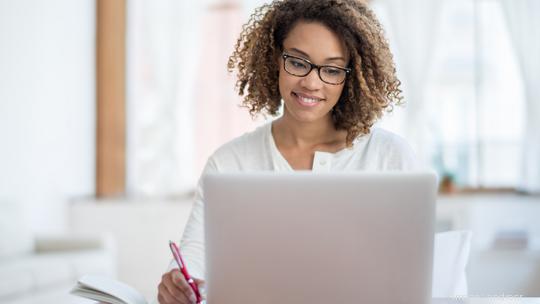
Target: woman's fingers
point(202, 285)
point(164, 296)
point(175, 289)
point(172, 293)
point(182, 286)
point(200, 282)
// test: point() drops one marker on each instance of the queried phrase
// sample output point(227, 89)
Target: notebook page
point(119, 290)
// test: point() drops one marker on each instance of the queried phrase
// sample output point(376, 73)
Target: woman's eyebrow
point(300, 52)
point(336, 58)
point(307, 56)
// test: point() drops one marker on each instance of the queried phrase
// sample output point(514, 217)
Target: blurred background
point(110, 108)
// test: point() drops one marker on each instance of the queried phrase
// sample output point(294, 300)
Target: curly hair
point(372, 86)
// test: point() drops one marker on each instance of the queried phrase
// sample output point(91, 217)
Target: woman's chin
point(306, 117)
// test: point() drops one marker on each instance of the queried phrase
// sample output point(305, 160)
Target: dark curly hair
point(372, 86)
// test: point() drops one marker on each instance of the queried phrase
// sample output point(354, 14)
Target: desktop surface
point(486, 300)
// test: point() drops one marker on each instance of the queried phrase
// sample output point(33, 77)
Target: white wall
point(47, 106)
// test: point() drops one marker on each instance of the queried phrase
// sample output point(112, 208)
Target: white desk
point(481, 300)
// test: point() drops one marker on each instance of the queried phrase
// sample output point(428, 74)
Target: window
point(473, 99)
point(464, 94)
point(181, 102)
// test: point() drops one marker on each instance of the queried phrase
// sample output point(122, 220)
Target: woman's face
point(309, 99)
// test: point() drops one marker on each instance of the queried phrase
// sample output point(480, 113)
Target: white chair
point(451, 254)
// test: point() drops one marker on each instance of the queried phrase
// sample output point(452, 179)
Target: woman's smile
point(306, 100)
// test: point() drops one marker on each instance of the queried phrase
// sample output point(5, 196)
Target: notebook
point(107, 290)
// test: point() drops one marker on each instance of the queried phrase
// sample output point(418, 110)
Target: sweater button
point(322, 162)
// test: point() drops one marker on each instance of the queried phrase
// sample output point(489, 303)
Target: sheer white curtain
point(181, 101)
point(219, 116)
point(413, 25)
point(524, 24)
point(460, 80)
point(163, 41)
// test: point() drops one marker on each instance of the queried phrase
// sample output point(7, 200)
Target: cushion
point(31, 273)
point(15, 235)
point(34, 273)
point(15, 277)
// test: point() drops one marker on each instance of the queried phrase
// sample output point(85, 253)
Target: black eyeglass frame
point(312, 66)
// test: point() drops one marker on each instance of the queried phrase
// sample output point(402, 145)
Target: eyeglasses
point(301, 67)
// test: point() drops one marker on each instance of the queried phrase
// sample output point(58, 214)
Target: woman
point(329, 63)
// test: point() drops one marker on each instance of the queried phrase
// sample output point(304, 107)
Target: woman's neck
point(296, 134)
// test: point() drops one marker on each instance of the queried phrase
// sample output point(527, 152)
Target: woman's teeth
point(307, 100)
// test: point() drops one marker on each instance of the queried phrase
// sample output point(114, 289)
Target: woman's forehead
point(316, 41)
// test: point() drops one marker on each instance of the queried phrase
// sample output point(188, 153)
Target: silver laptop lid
point(319, 238)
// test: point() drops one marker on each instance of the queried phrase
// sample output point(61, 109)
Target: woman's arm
point(172, 288)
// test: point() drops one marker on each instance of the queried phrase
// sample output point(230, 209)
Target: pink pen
point(178, 258)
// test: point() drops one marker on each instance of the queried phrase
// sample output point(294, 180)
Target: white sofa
point(42, 269)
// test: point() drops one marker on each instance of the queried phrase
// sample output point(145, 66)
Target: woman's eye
point(332, 71)
point(298, 63)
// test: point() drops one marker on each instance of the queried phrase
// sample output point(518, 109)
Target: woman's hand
point(174, 289)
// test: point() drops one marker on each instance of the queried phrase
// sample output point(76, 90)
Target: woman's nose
point(312, 81)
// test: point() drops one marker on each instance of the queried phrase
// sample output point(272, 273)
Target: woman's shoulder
point(242, 150)
point(246, 141)
point(391, 150)
point(387, 140)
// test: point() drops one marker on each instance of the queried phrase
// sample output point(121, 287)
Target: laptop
point(319, 238)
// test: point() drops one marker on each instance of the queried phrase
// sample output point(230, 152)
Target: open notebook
point(106, 290)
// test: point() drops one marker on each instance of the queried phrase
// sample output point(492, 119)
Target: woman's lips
point(306, 100)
